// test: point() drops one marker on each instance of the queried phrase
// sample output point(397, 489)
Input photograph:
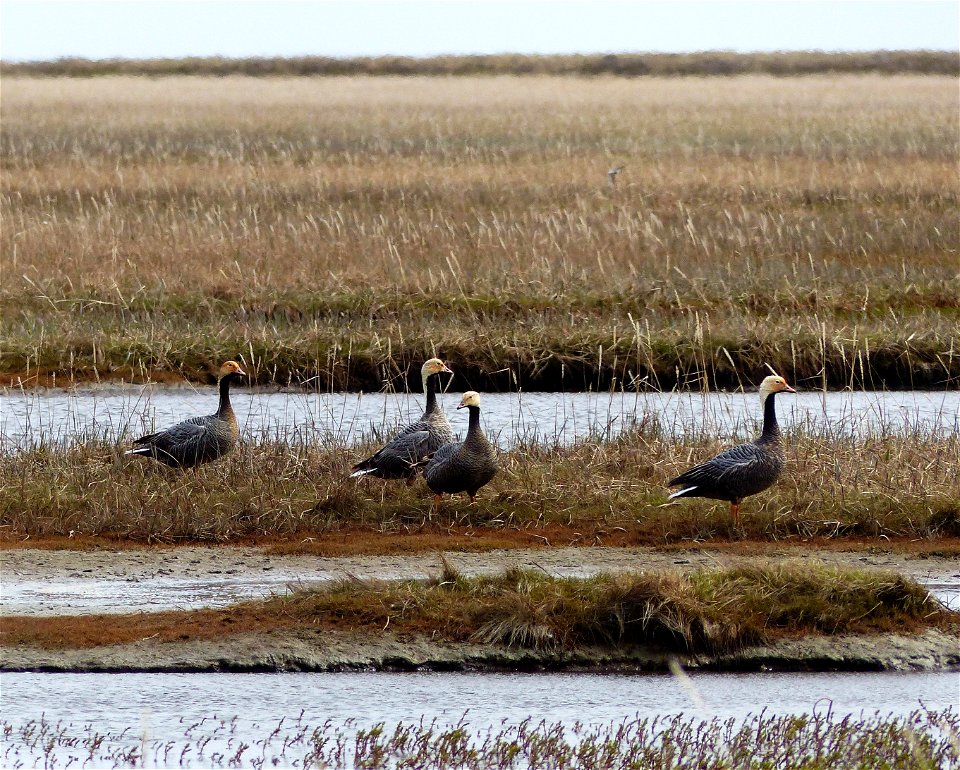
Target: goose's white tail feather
point(143, 450)
point(681, 492)
point(363, 472)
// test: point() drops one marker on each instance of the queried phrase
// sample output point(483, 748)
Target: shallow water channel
point(122, 412)
point(164, 713)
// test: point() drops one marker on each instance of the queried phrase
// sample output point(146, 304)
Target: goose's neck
point(430, 387)
point(771, 429)
point(473, 428)
point(225, 407)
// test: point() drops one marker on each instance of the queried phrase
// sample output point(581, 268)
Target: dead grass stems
point(336, 230)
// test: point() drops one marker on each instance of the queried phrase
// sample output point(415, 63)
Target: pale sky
point(42, 30)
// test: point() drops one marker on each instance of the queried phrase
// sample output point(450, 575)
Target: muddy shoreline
point(326, 650)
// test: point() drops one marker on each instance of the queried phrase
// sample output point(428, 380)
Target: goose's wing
point(410, 446)
point(736, 462)
point(444, 453)
point(184, 439)
point(440, 463)
point(185, 432)
point(436, 425)
point(398, 457)
point(414, 427)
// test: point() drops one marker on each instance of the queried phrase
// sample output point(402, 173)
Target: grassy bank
point(904, 486)
point(705, 612)
point(340, 230)
point(820, 741)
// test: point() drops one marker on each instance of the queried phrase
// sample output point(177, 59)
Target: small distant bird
point(200, 439)
point(745, 469)
point(401, 457)
point(612, 174)
point(462, 466)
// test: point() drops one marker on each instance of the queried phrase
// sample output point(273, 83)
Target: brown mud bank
point(335, 650)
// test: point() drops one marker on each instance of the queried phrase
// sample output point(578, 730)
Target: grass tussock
point(709, 612)
point(705, 612)
point(338, 231)
point(593, 492)
point(822, 740)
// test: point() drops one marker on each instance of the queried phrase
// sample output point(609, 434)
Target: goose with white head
point(745, 469)
point(463, 466)
point(198, 440)
point(405, 453)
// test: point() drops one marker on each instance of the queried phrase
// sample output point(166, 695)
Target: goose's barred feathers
point(197, 440)
point(405, 454)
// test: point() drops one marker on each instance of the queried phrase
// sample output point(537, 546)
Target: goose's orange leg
point(436, 504)
point(735, 512)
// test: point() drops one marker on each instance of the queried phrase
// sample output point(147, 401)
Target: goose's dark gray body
point(198, 440)
point(745, 469)
point(463, 466)
point(403, 455)
point(736, 473)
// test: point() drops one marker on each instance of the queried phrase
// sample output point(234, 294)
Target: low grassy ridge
point(705, 612)
point(720, 63)
point(819, 741)
point(340, 230)
point(593, 492)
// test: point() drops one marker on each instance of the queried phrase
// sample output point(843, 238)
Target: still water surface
point(162, 707)
point(117, 413)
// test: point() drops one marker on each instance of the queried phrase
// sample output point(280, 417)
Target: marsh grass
point(843, 479)
point(338, 231)
point(707, 612)
point(818, 741)
point(822, 740)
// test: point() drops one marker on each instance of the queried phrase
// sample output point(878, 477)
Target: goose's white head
point(228, 368)
point(434, 366)
point(470, 398)
point(773, 384)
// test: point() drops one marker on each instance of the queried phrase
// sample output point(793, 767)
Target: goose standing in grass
point(463, 466)
point(200, 439)
point(745, 469)
point(401, 457)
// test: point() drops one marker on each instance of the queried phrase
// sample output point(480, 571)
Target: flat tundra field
point(340, 230)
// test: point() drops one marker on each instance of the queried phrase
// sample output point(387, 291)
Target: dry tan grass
point(312, 224)
point(590, 493)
